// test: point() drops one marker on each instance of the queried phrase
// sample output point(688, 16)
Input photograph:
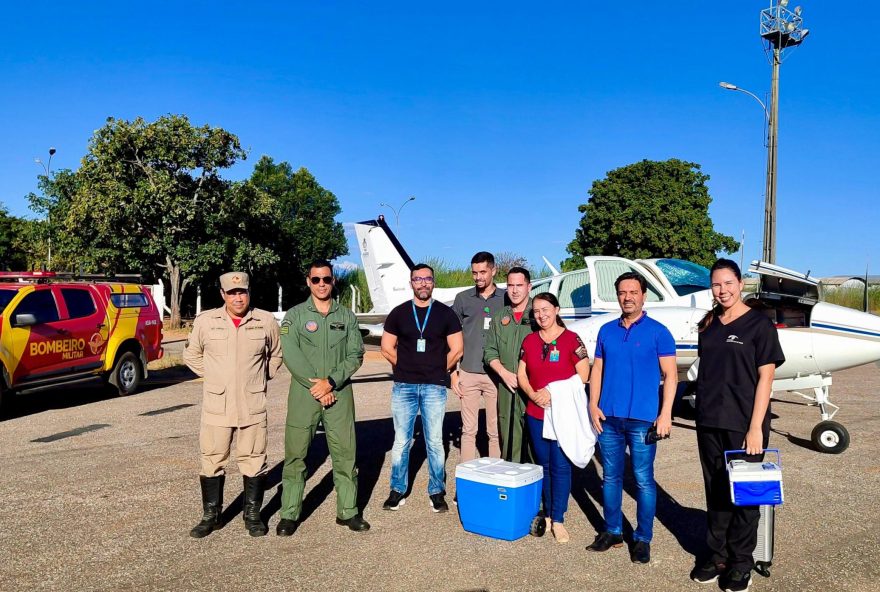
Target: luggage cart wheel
point(539, 526)
point(763, 568)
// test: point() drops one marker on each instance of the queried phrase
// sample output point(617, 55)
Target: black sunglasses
point(327, 279)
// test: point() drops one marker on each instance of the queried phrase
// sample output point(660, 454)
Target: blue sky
point(497, 116)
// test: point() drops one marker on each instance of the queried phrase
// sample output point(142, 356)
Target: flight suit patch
point(505, 320)
point(285, 327)
point(337, 326)
point(311, 326)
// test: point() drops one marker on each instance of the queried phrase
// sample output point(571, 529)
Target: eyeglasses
point(545, 349)
point(422, 280)
point(327, 279)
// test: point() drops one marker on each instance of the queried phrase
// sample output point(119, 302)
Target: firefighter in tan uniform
point(236, 349)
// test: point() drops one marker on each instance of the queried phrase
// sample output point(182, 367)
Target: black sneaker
point(438, 502)
point(707, 572)
point(641, 552)
point(394, 501)
point(605, 541)
point(736, 581)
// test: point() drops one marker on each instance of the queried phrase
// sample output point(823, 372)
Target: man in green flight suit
point(501, 353)
point(322, 348)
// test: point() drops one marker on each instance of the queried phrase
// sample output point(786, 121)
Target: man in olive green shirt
point(501, 353)
point(322, 348)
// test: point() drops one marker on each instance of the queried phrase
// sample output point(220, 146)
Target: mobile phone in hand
point(652, 437)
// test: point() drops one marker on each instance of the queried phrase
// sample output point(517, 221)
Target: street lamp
point(397, 210)
point(781, 29)
point(47, 168)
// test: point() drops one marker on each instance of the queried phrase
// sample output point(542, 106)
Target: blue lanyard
point(422, 327)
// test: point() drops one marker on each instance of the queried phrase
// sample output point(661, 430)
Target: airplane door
point(574, 295)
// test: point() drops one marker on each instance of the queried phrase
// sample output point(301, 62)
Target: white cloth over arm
point(567, 420)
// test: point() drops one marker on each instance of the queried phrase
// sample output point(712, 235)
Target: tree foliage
point(149, 197)
point(649, 209)
point(304, 227)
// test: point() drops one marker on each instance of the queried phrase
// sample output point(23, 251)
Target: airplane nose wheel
point(830, 437)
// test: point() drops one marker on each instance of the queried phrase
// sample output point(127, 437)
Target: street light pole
point(397, 210)
point(781, 29)
point(47, 168)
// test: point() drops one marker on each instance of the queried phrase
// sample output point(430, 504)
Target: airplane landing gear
point(830, 437)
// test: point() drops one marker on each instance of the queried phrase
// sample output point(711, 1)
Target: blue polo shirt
point(631, 367)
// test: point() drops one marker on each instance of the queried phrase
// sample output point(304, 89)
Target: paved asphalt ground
point(99, 493)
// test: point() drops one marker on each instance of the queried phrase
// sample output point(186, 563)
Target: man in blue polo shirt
point(632, 353)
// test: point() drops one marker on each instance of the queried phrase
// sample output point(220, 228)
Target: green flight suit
point(503, 342)
point(315, 346)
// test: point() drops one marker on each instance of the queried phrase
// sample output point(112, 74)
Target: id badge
point(554, 355)
point(420, 346)
point(486, 322)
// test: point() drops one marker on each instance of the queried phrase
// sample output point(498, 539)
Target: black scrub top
point(730, 356)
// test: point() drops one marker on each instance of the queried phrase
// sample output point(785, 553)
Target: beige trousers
point(215, 443)
point(473, 386)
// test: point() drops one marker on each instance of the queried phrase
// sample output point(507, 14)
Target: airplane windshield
point(685, 277)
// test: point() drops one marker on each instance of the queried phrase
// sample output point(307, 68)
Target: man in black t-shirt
point(423, 341)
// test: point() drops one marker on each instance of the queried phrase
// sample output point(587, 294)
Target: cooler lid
point(494, 471)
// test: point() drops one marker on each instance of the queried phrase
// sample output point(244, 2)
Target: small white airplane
point(387, 267)
point(818, 338)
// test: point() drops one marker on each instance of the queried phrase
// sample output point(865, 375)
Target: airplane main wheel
point(830, 437)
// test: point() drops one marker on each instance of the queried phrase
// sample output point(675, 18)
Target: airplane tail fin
point(386, 264)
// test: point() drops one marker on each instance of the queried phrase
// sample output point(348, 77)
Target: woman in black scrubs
point(739, 351)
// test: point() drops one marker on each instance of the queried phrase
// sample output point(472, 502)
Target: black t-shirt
point(428, 367)
point(730, 356)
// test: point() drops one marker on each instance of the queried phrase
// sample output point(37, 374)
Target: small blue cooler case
point(754, 483)
point(496, 498)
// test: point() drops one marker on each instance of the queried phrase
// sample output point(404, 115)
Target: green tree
point(304, 227)
point(649, 209)
point(149, 197)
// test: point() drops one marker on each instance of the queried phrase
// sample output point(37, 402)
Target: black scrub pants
point(732, 530)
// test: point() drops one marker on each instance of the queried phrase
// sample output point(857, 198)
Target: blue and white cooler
point(496, 498)
point(754, 483)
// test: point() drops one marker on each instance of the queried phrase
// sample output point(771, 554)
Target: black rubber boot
point(253, 503)
point(212, 502)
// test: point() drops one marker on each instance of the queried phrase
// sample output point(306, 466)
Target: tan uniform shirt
point(235, 363)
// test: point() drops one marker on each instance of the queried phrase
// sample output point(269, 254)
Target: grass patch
point(854, 297)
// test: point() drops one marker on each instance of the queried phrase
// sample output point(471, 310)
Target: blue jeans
point(406, 402)
point(556, 486)
point(617, 434)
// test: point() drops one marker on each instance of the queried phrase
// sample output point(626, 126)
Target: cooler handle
point(766, 450)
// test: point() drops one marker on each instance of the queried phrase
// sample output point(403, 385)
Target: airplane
point(387, 267)
point(817, 338)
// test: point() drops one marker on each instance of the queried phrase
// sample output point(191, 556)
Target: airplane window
point(685, 277)
point(608, 271)
point(574, 292)
point(538, 288)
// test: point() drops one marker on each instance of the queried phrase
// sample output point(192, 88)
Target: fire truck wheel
point(127, 374)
